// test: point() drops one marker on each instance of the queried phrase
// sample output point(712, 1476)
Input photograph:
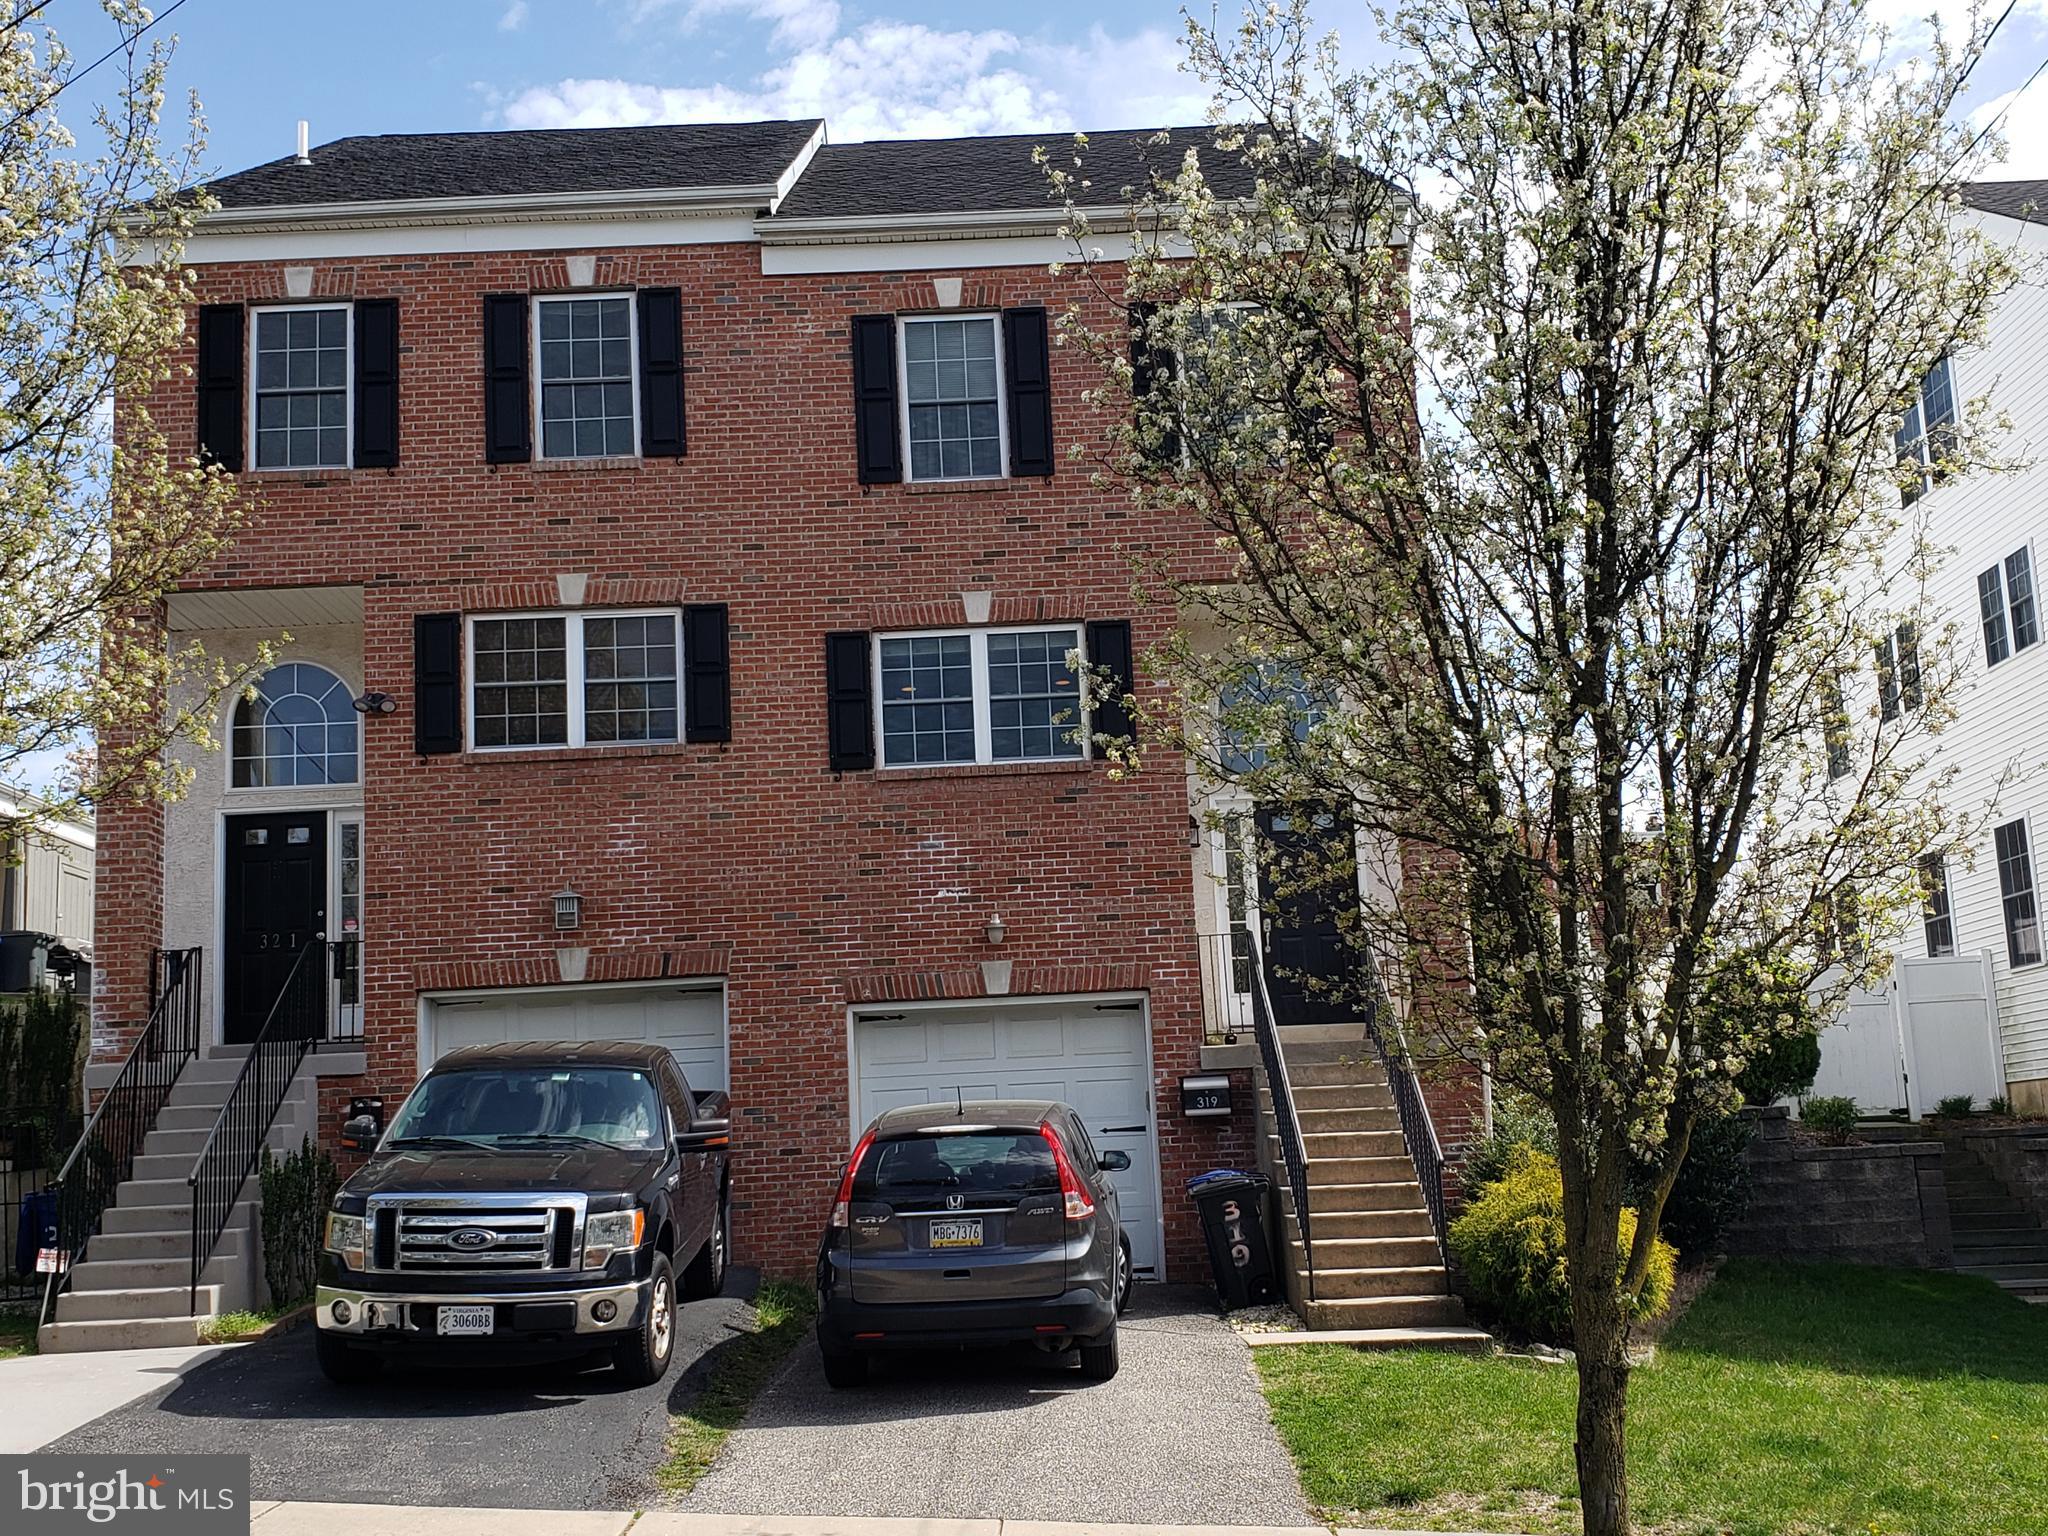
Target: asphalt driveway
point(536, 1436)
point(1180, 1435)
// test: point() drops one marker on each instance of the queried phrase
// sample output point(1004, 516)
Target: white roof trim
point(528, 207)
point(950, 224)
point(797, 166)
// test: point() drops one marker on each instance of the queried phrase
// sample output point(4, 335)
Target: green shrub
point(1955, 1106)
point(2000, 1105)
point(1714, 1185)
point(1782, 1069)
point(1510, 1242)
point(41, 1066)
point(297, 1190)
point(1831, 1117)
point(1518, 1121)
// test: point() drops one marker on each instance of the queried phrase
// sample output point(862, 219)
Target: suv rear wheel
point(705, 1275)
point(1123, 1273)
point(644, 1359)
point(1098, 1360)
point(845, 1368)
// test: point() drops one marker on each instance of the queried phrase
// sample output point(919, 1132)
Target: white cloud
point(895, 79)
point(2024, 131)
point(514, 17)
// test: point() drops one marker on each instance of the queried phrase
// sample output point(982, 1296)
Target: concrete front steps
point(132, 1288)
point(1996, 1236)
point(1379, 1279)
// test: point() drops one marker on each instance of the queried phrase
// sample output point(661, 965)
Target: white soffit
point(287, 608)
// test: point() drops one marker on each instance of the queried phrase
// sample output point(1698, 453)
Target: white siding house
point(1994, 531)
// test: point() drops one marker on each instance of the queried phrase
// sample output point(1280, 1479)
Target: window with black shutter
point(219, 373)
point(1109, 652)
point(849, 700)
point(661, 373)
point(437, 682)
point(1027, 357)
point(1154, 366)
point(376, 361)
point(507, 409)
point(707, 674)
point(874, 399)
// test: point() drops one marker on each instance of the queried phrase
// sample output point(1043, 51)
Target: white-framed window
point(296, 725)
point(1927, 433)
point(574, 679)
point(954, 423)
point(1204, 411)
point(1937, 920)
point(586, 374)
point(1276, 688)
point(301, 410)
point(980, 696)
point(2015, 850)
point(2006, 609)
point(1898, 671)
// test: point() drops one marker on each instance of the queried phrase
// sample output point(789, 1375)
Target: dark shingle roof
point(380, 167)
point(2014, 199)
point(987, 175)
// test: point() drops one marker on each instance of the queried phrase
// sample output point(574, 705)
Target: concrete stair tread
point(137, 1301)
point(117, 1333)
point(1472, 1339)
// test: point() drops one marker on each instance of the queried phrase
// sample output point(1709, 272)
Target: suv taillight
point(841, 1206)
point(1079, 1206)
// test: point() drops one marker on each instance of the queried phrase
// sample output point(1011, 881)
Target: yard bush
point(2000, 1105)
point(41, 1066)
point(1955, 1106)
point(1510, 1242)
point(1713, 1188)
point(1518, 1121)
point(1783, 1069)
point(1830, 1117)
point(297, 1190)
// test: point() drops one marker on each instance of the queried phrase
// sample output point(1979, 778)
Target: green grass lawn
point(17, 1334)
point(1792, 1399)
point(740, 1368)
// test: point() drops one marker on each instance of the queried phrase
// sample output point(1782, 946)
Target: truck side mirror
point(360, 1132)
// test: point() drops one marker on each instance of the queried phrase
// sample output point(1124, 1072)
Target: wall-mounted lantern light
point(995, 930)
point(568, 910)
point(376, 704)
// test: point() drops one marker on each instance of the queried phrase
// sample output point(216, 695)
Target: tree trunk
point(1601, 1448)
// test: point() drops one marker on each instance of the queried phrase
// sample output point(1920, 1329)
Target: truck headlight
point(605, 1235)
point(345, 1237)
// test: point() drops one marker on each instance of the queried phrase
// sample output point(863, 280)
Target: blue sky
point(873, 68)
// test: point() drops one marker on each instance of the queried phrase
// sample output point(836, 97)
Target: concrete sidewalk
point(48, 1396)
point(295, 1519)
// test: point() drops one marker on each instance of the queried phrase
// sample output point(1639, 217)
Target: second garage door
point(1094, 1056)
point(690, 1022)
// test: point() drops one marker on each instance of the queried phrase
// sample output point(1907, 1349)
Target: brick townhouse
point(671, 553)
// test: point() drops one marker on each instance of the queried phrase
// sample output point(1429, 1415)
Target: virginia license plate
point(465, 1321)
point(956, 1234)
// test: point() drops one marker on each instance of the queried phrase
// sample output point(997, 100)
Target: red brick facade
point(808, 890)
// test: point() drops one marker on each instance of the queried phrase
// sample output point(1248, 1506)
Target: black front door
point(1304, 918)
point(276, 901)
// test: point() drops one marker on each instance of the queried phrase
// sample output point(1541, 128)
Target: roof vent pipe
point(304, 156)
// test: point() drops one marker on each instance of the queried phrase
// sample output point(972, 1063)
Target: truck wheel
point(344, 1364)
point(644, 1359)
point(1098, 1360)
point(705, 1275)
point(845, 1368)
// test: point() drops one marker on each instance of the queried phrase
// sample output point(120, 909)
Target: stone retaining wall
point(2018, 1155)
point(1865, 1204)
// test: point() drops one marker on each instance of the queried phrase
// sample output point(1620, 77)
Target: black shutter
point(376, 383)
point(507, 400)
point(707, 674)
point(436, 682)
point(1153, 365)
point(1027, 355)
point(661, 377)
point(849, 701)
point(1109, 651)
point(220, 384)
point(874, 401)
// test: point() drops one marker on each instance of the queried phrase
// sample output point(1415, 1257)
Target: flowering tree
point(95, 526)
point(1542, 392)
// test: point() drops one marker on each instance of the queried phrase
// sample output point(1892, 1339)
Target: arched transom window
point(297, 726)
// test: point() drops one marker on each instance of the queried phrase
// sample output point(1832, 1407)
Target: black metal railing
point(297, 1019)
point(1226, 962)
point(1418, 1131)
point(1293, 1152)
point(105, 1153)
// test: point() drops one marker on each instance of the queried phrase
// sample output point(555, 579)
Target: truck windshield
point(534, 1106)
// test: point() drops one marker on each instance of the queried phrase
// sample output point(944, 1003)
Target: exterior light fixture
point(376, 704)
point(995, 930)
point(568, 910)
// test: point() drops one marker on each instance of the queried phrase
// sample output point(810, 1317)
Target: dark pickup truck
point(530, 1201)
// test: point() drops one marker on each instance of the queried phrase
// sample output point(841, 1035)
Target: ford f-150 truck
point(534, 1200)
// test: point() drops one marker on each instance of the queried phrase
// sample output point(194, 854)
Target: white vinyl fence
point(1929, 1032)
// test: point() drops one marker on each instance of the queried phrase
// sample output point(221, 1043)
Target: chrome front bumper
point(388, 1314)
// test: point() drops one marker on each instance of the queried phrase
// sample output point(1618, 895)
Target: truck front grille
point(449, 1234)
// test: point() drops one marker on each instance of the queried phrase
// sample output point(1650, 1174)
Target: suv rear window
point(1008, 1162)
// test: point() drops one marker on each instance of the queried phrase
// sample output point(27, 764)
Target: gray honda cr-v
point(988, 1222)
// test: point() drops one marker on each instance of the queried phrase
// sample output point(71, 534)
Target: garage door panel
point(1096, 1061)
point(691, 1023)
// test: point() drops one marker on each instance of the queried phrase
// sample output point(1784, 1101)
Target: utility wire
point(128, 41)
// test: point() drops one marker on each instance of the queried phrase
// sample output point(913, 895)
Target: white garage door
point(1094, 1056)
point(690, 1022)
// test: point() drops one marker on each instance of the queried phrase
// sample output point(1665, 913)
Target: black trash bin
point(1233, 1209)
